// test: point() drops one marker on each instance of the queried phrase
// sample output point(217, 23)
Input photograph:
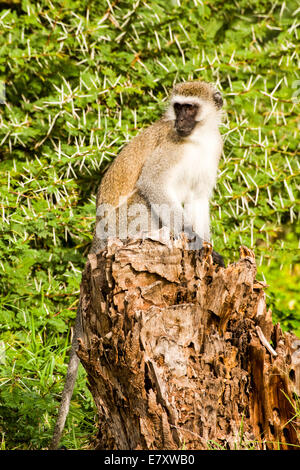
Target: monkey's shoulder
point(156, 133)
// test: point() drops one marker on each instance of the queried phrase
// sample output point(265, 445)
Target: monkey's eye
point(191, 109)
point(187, 108)
point(191, 106)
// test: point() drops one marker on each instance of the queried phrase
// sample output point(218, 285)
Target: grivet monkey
point(163, 178)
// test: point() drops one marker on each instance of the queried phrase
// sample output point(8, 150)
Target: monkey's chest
point(195, 174)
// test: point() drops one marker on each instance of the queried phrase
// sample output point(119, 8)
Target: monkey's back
point(122, 175)
point(120, 179)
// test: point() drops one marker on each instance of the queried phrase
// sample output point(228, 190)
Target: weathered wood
point(177, 351)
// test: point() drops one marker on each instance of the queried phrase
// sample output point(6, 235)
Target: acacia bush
point(78, 79)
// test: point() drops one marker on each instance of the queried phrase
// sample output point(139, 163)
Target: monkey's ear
point(217, 97)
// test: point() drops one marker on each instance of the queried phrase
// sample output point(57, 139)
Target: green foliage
point(80, 79)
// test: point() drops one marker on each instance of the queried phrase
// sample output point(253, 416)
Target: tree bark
point(177, 352)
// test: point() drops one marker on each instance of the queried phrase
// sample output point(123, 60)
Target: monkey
point(166, 174)
point(164, 177)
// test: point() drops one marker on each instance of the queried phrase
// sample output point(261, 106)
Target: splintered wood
point(178, 353)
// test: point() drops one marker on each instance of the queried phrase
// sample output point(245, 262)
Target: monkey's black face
point(185, 120)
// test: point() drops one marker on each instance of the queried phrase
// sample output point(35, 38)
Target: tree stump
point(177, 352)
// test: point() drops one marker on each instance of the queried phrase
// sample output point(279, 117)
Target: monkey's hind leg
point(69, 383)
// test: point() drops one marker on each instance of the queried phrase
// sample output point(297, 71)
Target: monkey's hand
point(195, 242)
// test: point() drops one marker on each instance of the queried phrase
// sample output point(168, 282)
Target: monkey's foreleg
point(69, 383)
point(194, 240)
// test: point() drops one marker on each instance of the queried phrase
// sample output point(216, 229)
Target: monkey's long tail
point(69, 384)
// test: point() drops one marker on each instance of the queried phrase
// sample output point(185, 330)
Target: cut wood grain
point(180, 352)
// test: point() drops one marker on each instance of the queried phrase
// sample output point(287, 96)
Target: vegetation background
point(78, 79)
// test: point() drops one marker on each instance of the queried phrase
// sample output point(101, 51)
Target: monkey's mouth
point(185, 129)
point(184, 132)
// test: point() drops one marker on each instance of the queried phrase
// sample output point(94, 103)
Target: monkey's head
point(192, 105)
